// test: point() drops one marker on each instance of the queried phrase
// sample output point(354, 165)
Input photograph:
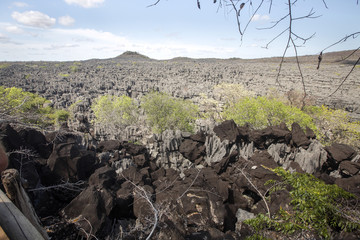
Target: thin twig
point(353, 35)
point(154, 3)
point(352, 53)
point(142, 192)
point(352, 69)
point(301, 75)
point(257, 190)
point(76, 187)
point(325, 3)
point(192, 183)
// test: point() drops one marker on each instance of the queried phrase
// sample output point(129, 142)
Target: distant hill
point(327, 57)
point(129, 55)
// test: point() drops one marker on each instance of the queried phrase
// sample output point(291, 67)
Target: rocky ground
point(173, 185)
point(134, 75)
point(179, 186)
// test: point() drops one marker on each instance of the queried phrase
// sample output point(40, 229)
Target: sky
point(69, 30)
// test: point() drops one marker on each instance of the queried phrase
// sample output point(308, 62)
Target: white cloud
point(85, 3)
point(34, 19)
point(66, 20)
point(6, 40)
point(64, 44)
point(258, 17)
point(3, 37)
point(56, 46)
point(14, 29)
point(20, 4)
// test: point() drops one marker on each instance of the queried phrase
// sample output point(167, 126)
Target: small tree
point(261, 112)
point(335, 126)
point(231, 92)
point(113, 113)
point(17, 105)
point(166, 112)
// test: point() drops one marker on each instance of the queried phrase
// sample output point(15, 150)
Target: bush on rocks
point(166, 112)
point(335, 126)
point(114, 112)
point(316, 206)
point(30, 108)
point(261, 112)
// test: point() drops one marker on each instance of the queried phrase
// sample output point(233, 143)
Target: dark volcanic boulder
point(134, 149)
point(274, 134)
point(143, 207)
point(198, 137)
point(138, 154)
point(351, 184)
point(221, 166)
point(36, 140)
point(90, 210)
point(10, 138)
point(103, 177)
point(299, 138)
point(197, 202)
point(263, 158)
point(227, 130)
point(108, 145)
point(340, 152)
point(69, 162)
point(193, 148)
point(310, 133)
point(348, 168)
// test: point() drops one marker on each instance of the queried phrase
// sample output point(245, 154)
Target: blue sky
point(61, 30)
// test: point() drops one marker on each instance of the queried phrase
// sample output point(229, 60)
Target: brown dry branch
point(352, 69)
point(24, 154)
point(256, 189)
point(74, 187)
point(192, 183)
point(342, 40)
point(148, 198)
point(158, 211)
point(88, 235)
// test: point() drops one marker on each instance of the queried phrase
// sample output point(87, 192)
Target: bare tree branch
point(352, 69)
point(75, 187)
point(248, 23)
point(145, 195)
point(301, 75)
point(352, 53)
point(267, 45)
point(151, 5)
point(309, 15)
point(192, 183)
point(257, 190)
point(275, 23)
point(325, 3)
point(344, 39)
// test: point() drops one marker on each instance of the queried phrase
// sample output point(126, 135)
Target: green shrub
point(114, 111)
point(166, 112)
point(73, 108)
point(222, 94)
point(23, 106)
point(335, 126)
point(316, 206)
point(231, 92)
point(60, 116)
point(4, 65)
point(261, 112)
